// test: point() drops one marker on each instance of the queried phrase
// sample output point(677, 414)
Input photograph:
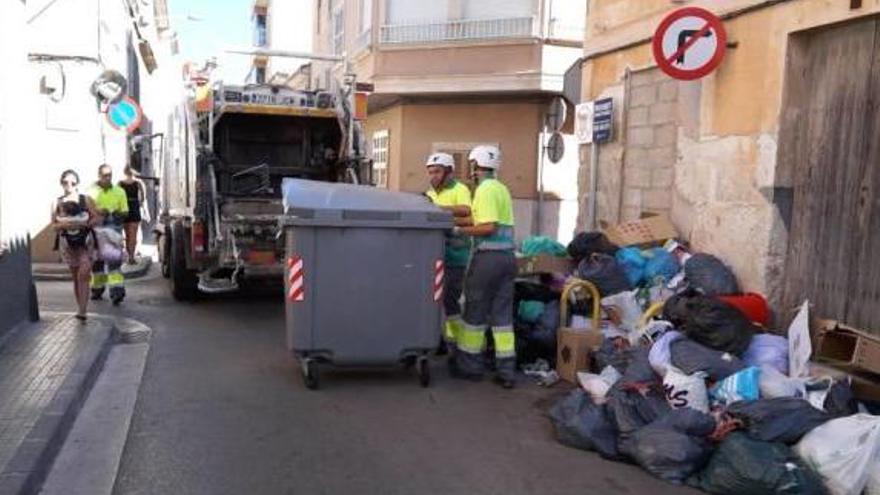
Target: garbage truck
point(220, 193)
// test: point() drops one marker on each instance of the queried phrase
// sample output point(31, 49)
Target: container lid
point(326, 203)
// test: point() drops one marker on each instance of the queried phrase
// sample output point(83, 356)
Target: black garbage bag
point(638, 366)
point(609, 355)
point(582, 424)
point(710, 275)
point(710, 322)
point(782, 419)
point(742, 465)
point(533, 343)
point(605, 273)
point(632, 406)
point(531, 291)
point(587, 244)
point(691, 357)
point(674, 446)
point(840, 401)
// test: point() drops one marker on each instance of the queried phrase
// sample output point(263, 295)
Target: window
point(260, 37)
point(318, 15)
point(413, 12)
point(338, 31)
point(499, 9)
point(260, 75)
point(366, 15)
point(380, 158)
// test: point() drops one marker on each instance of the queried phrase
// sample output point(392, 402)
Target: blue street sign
point(125, 114)
point(603, 118)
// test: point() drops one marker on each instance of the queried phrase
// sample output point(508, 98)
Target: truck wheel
point(165, 253)
point(184, 282)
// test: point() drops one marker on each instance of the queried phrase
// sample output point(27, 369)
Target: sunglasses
point(106, 176)
point(69, 182)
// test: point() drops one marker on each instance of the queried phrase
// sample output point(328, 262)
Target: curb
point(28, 468)
point(61, 275)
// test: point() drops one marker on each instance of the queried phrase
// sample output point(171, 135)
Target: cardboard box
point(848, 348)
point(544, 263)
point(573, 347)
point(656, 229)
point(864, 387)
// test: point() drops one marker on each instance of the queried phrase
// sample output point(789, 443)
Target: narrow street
point(223, 410)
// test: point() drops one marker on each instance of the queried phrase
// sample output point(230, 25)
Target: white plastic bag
point(659, 356)
point(686, 390)
point(774, 384)
point(799, 346)
point(844, 451)
point(626, 306)
point(110, 244)
point(598, 385)
point(873, 487)
point(767, 349)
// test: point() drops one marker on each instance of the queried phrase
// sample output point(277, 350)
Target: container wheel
point(310, 374)
point(424, 371)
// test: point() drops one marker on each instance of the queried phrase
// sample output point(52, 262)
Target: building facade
point(451, 74)
point(50, 121)
point(281, 25)
point(770, 161)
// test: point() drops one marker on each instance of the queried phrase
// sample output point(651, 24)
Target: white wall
point(290, 28)
point(43, 134)
point(13, 125)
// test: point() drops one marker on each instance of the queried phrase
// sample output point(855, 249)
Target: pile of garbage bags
point(703, 393)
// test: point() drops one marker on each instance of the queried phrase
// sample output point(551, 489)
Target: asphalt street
point(222, 409)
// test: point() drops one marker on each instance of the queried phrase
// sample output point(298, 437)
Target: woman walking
point(73, 217)
point(137, 210)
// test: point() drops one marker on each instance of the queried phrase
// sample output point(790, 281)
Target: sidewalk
point(46, 371)
point(56, 272)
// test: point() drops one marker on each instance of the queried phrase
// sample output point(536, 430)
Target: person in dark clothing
point(136, 193)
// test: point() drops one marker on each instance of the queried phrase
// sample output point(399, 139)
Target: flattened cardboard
point(847, 347)
point(544, 263)
point(649, 230)
point(573, 347)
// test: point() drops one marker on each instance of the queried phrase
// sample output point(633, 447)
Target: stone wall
point(651, 139)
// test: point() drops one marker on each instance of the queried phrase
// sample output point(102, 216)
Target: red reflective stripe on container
point(439, 273)
point(295, 278)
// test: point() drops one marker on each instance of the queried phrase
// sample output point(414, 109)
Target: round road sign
point(555, 147)
point(690, 43)
point(125, 114)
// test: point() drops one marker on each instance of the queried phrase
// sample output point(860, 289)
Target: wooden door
point(834, 148)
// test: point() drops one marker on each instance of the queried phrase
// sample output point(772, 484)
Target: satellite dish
point(109, 87)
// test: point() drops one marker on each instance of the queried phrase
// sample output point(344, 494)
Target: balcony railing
point(463, 30)
point(363, 41)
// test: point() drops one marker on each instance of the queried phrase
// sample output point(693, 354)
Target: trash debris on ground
point(675, 446)
point(542, 372)
point(741, 386)
point(581, 424)
point(684, 390)
point(783, 419)
point(710, 275)
point(679, 372)
point(691, 357)
point(741, 465)
point(767, 349)
point(845, 451)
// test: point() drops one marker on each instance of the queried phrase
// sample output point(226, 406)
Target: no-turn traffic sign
point(690, 43)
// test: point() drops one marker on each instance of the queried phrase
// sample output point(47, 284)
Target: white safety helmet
point(441, 160)
point(486, 156)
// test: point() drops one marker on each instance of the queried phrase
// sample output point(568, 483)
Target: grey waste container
point(363, 270)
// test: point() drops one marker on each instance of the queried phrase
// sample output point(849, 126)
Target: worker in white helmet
point(488, 286)
point(455, 197)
